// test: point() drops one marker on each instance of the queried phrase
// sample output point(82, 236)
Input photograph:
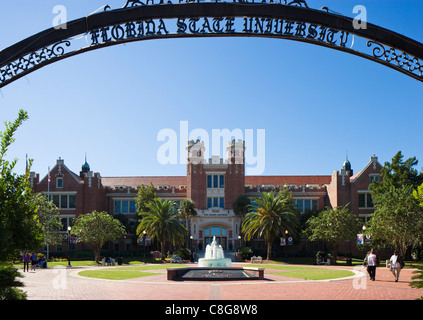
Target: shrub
point(9, 284)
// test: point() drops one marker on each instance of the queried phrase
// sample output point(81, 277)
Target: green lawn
point(122, 273)
point(76, 263)
point(306, 273)
point(152, 267)
point(318, 274)
point(110, 274)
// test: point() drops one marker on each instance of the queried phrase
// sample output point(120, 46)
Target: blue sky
point(315, 104)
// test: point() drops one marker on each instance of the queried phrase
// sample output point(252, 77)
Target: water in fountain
point(214, 256)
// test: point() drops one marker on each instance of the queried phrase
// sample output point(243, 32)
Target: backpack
point(401, 261)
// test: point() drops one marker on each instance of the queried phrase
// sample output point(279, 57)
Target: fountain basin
point(214, 274)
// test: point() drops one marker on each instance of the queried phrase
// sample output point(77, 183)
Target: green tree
point(396, 174)
point(145, 195)
point(397, 219)
point(242, 205)
point(20, 229)
point(418, 194)
point(161, 222)
point(49, 218)
point(333, 226)
point(270, 218)
point(97, 228)
point(187, 211)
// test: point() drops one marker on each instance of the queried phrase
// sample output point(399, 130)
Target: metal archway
point(137, 21)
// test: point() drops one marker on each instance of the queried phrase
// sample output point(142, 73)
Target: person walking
point(395, 262)
point(26, 259)
point(33, 261)
point(371, 260)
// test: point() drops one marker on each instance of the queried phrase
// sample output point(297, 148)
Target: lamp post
point(190, 246)
point(69, 244)
point(239, 242)
point(286, 243)
point(144, 232)
point(364, 238)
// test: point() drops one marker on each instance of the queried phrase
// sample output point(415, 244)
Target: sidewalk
point(66, 284)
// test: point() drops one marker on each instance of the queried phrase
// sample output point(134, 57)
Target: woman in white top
point(395, 265)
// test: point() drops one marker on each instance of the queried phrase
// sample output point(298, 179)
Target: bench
point(175, 259)
point(344, 258)
point(323, 261)
point(256, 259)
point(111, 262)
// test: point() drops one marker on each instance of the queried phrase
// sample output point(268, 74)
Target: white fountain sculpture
point(214, 256)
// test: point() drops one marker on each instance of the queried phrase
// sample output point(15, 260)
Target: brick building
point(212, 184)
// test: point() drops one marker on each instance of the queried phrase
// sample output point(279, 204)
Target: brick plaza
point(45, 284)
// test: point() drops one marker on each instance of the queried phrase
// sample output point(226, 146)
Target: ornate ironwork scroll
point(33, 59)
point(284, 19)
point(396, 57)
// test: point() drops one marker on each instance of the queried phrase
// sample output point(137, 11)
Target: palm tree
point(242, 205)
point(161, 222)
point(187, 211)
point(270, 218)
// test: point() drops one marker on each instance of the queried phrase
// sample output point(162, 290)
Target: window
point(215, 202)
point(117, 207)
point(59, 182)
point(304, 205)
point(365, 200)
point(299, 204)
point(132, 208)
point(66, 222)
point(215, 231)
point(374, 177)
point(64, 201)
point(221, 181)
point(307, 205)
point(124, 206)
point(72, 204)
point(216, 181)
point(56, 200)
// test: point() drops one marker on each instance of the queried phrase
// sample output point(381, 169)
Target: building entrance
point(216, 231)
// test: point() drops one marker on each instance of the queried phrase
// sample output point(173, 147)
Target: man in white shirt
point(371, 264)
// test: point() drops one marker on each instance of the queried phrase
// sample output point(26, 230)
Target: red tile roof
point(176, 181)
point(173, 181)
point(290, 180)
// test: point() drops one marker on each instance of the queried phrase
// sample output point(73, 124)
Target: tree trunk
point(97, 254)
point(334, 252)
point(269, 250)
point(163, 245)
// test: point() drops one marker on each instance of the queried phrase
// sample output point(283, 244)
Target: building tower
point(85, 168)
point(196, 177)
point(235, 175)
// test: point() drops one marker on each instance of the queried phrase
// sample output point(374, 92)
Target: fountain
point(214, 256)
point(214, 267)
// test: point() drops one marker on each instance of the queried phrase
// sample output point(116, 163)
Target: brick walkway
point(66, 284)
